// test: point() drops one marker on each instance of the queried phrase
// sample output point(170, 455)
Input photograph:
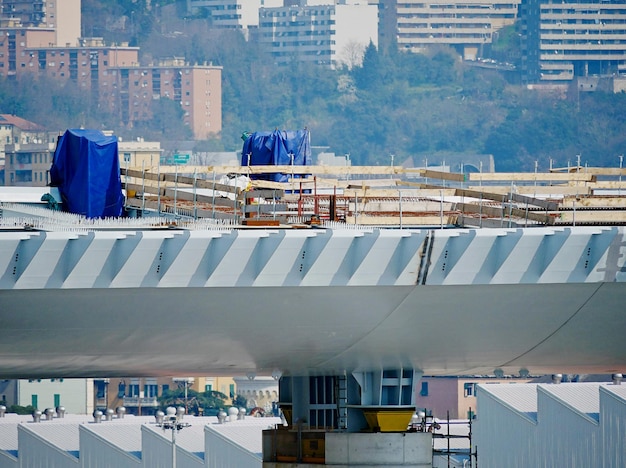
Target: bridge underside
point(438, 330)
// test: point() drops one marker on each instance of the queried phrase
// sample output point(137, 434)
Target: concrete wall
point(380, 449)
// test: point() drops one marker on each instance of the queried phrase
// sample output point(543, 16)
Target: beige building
point(197, 88)
point(113, 73)
point(139, 395)
point(63, 17)
point(26, 151)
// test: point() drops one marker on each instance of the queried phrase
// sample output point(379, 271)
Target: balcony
point(144, 402)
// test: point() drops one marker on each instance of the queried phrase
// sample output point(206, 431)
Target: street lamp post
point(173, 421)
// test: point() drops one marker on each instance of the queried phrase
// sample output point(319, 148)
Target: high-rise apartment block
point(60, 16)
point(466, 25)
point(234, 14)
point(44, 38)
point(565, 39)
point(132, 90)
point(319, 32)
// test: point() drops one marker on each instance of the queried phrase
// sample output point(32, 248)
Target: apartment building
point(132, 90)
point(74, 395)
point(233, 14)
point(565, 40)
point(140, 395)
point(319, 32)
point(466, 25)
point(63, 17)
point(114, 76)
point(26, 150)
point(84, 64)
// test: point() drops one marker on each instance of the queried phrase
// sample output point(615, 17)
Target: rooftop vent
point(60, 411)
point(557, 378)
point(221, 417)
point(108, 414)
point(97, 416)
point(49, 412)
point(159, 415)
point(617, 379)
point(36, 416)
point(242, 413)
point(121, 411)
point(3, 409)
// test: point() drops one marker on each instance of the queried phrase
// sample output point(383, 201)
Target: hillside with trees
point(407, 105)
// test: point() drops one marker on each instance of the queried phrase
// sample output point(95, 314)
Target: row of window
point(469, 389)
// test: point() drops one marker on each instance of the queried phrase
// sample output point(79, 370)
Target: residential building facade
point(321, 33)
point(116, 80)
point(132, 90)
point(232, 14)
point(454, 397)
point(564, 40)
point(465, 25)
point(63, 17)
point(75, 395)
point(139, 395)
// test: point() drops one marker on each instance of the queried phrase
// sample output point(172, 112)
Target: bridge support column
point(348, 420)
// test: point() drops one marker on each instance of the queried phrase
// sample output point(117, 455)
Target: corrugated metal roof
point(581, 396)
point(617, 390)
point(63, 435)
point(246, 433)
point(8, 434)
point(125, 436)
point(520, 397)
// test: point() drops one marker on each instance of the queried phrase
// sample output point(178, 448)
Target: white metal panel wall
point(156, 451)
point(96, 452)
point(613, 427)
point(502, 436)
point(8, 461)
point(223, 453)
point(565, 437)
point(36, 452)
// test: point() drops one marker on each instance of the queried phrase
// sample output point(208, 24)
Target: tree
point(209, 402)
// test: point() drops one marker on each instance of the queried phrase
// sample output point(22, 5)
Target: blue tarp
point(275, 149)
point(86, 169)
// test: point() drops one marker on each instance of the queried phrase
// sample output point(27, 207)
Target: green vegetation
point(208, 403)
point(408, 105)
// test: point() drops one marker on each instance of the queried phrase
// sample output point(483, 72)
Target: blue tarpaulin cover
point(86, 169)
point(275, 149)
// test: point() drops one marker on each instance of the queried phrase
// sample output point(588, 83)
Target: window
point(166, 388)
point(100, 389)
point(57, 400)
point(121, 390)
point(424, 390)
point(133, 390)
point(208, 388)
point(231, 390)
point(33, 401)
point(469, 389)
point(150, 390)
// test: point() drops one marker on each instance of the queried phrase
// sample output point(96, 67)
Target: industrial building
point(564, 424)
point(118, 440)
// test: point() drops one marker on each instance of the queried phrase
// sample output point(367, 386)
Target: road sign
point(181, 158)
